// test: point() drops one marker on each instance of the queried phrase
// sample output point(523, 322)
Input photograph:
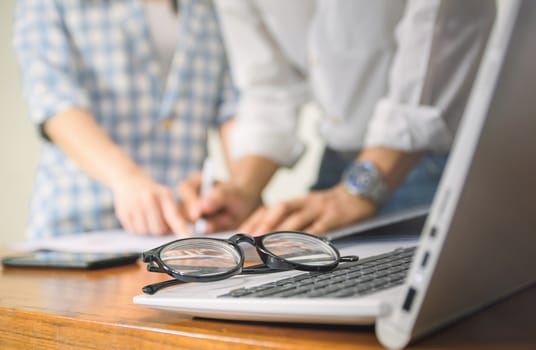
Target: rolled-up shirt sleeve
point(439, 45)
point(46, 60)
point(228, 99)
point(271, 89)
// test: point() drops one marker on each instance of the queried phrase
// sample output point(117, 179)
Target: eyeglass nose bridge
point(267, 257)
point(242, 238)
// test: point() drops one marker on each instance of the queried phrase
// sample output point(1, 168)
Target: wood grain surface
point(60, 309)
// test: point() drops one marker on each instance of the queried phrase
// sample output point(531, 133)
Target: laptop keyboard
point(350, 279)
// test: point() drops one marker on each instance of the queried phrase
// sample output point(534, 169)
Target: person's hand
point(146, 207)
point(317, 212)
point(224, 207)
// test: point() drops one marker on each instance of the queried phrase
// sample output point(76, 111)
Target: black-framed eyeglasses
point(205, 259)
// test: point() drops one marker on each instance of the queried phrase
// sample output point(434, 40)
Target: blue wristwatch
point(363, 179)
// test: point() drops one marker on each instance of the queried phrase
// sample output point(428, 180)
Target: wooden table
point(51, 309)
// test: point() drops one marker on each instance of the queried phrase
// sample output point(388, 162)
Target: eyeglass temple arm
point(154, 268)
point(260, 268)
point(155, 287)
point(348, 258)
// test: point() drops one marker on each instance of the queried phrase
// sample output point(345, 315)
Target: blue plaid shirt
point(98, 55)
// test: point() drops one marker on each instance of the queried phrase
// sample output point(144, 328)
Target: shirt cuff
point(256, 140)
point(266, 123)
point(226, 111)
point(44, 104)
point(408, 128)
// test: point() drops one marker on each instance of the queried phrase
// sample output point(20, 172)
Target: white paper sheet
point(101, 242)
point(118, 241)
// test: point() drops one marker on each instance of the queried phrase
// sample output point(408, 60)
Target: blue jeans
point(418, 188)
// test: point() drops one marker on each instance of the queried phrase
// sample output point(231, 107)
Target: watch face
point(363, 179)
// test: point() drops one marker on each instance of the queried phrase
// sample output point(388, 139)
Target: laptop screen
point(479, 237)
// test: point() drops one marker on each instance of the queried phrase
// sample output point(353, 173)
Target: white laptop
point(478, 242)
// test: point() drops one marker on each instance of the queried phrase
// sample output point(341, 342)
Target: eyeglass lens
point(301, 249)
point(200, 257)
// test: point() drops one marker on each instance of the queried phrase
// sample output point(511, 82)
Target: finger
point(139, 222)
point(274, 216)
point(154, 216)
point(220, 222)
point(214, 201)
point(319, 226)
point(252, 222)
point(175, 216)
point(131, 221)
point(120, 215)
point(125, 221)
point(298, 220)
point(189, 192)
point(316, 228)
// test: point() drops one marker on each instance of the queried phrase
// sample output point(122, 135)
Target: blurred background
point(20, 145)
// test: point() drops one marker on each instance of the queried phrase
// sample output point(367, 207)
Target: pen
point(207, 180)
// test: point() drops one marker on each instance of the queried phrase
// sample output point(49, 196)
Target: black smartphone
point(68, 260)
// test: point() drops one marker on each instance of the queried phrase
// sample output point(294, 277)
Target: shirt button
point(167, 123)
point(335, 119)
point(313, 60)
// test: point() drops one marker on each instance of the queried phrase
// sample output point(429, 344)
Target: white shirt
point(163, 26)
point(385, 73)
